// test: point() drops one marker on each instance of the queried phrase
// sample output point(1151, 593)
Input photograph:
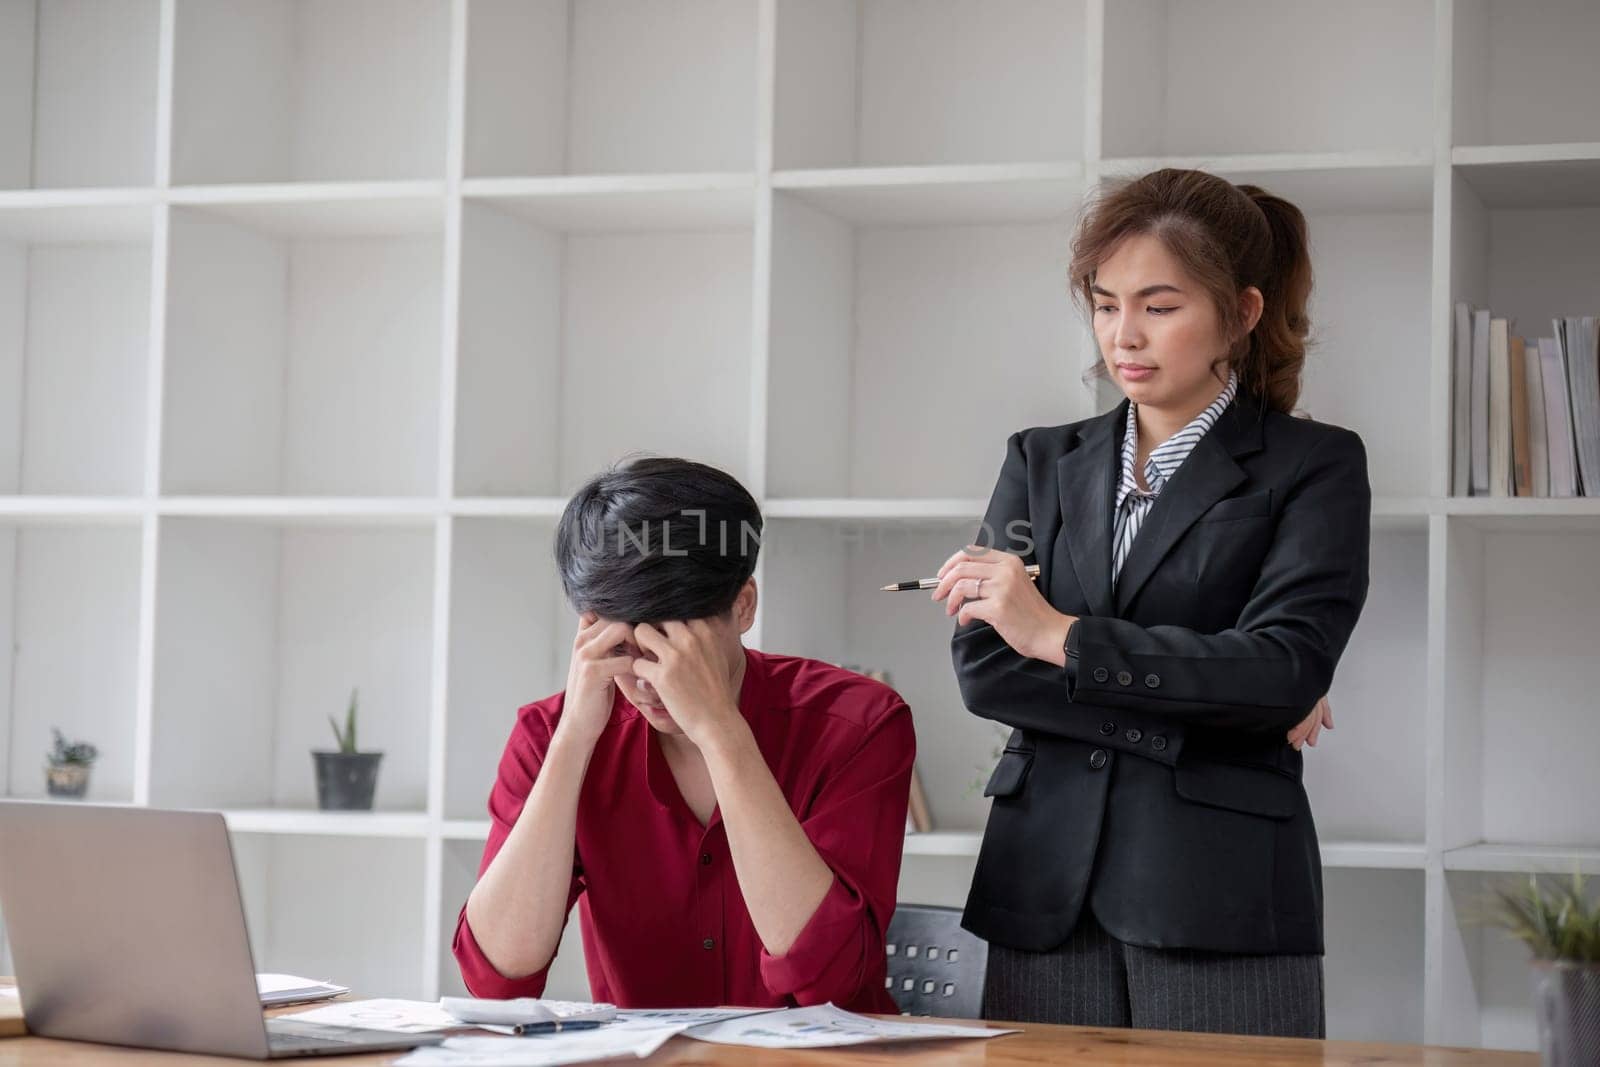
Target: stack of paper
point(640, 1033)
point(280, 989)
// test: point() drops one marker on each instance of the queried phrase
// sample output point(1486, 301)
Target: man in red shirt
point(729, 822)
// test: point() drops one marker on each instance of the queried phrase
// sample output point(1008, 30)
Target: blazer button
point(1152, 680)
point(1108, 728)
point(708, 944)
point(1097, 759)
point(1158, 743)
point(1101, 674)
point(1134, 736)
point(1124, 678)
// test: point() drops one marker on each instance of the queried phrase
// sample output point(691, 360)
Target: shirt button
point(1152, 680)
point(1158, 743)
point(1134, 736)
point(1101, 674)
point(708, 944)
point(1108, 728)
point(1124, 678)
point(705, 859)
point(1097, 759)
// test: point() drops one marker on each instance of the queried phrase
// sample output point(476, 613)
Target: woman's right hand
point(591, 678)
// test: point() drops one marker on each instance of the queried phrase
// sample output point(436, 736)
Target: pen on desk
point(555, 1027)
point(1032, 570)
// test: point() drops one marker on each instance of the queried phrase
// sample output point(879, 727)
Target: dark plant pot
point(346, 780)
point(1566, 1000)
point(67, 780)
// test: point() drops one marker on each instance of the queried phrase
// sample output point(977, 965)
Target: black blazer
point(1150, 778)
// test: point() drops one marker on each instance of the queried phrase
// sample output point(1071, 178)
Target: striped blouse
point(1133, 503)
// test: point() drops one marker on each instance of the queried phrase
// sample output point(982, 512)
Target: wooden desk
point(1036, 1045)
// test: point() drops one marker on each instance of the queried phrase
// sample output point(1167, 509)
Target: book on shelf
point(1525, 411)
point(919, 820)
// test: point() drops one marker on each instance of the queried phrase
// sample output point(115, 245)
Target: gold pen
point(1032, 570)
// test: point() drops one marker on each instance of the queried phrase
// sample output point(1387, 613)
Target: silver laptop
point(126, 927)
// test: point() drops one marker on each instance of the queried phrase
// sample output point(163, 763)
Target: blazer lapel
point(1205, 477)
point(1086, 478)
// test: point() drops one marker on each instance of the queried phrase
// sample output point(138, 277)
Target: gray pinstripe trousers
point(1095, 980)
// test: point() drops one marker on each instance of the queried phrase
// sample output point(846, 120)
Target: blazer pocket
point(1240, 507)
point(1009, 773)
point(1238, 787)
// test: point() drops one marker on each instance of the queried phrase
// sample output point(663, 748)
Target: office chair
point(935, 967)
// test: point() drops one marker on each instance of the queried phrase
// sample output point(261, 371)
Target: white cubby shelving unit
point(313, 311)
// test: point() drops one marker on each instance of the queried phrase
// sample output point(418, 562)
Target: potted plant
point(1561, 926)
point(66, 774)
point(346, 778)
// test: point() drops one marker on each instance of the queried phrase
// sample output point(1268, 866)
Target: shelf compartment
point(1379, 697)
point(820, 598)
point(300, 364)
point(576, 349)
point(1524, 76)
point(1520, 676)
point(1373, 969)
point(953, 336)
point(69, 625)
point(78, 93)
point(896, 82)
point(339, 907)
point(1176, 73)
point(610, 87)
point(511, 635)
point(263, 630)
point(309, 90)
point(73, 384)
point(1488, 985)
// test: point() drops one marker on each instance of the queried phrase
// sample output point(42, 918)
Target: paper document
point(543, 1050)
point(278, 989)
point(392, 1015)
point(825, 1026)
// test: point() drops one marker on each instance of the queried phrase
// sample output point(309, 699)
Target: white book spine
point(1461, 404)
point(1499, 409)
point(1558, 424)
point(1538, 442)
point(1480, 402)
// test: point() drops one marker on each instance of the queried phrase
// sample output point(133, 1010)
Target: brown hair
point(1228, 237)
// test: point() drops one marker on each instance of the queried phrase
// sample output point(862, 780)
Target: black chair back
point(935, 967)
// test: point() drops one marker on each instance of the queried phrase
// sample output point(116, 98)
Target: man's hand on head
point(691, 676)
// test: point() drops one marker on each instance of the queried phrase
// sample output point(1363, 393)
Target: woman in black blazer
point(1150, 857)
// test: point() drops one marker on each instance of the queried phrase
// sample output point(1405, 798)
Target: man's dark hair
point(657, 538)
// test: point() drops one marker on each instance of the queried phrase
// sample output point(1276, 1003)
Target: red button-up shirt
point(664, 922)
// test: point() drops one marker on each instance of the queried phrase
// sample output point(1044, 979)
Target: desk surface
point(1037, 1044)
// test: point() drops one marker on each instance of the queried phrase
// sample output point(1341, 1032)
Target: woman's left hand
point(991, 585)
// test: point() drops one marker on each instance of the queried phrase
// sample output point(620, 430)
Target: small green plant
point(347, 736)
point(1557, 922)
point(71, 753)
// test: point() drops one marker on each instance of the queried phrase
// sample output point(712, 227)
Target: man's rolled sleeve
point(480, 976)
point(857, 826)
